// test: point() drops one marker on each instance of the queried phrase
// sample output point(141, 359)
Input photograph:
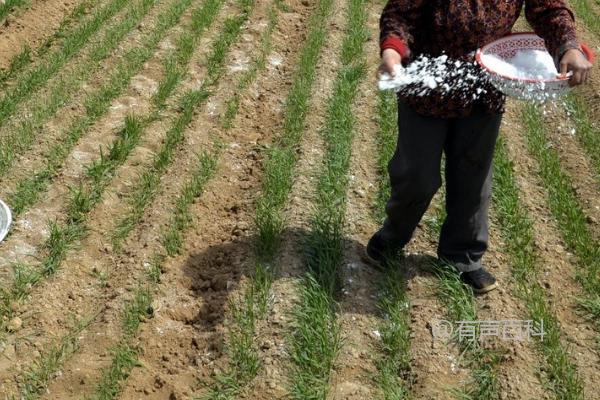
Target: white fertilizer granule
point(440, 74)
point(526, 64)
point(466, 80)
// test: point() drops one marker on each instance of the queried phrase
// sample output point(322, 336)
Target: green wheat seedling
point(281, 157)
point(135, 311)
point(10, 5)
point(460, 306)
point(148, 185)
point(252, 305)
point(517, 230)
point(21, 136)
point(393, 366)
point(588, 133)
point(589, 16)
point(387, 119)
point(63, 238)
point(96, 105)
point(36, 379)
point(244, 359)
point(59, 242)
point(124, 355)
point(25, 57)
point(563, 202)
point(232, 105)
point(38, 76)
point(18, 63)
point(172, 239)
point(315, 341)
point(591, 308)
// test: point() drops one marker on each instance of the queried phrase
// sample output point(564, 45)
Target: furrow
point(22, 60)
point(316, 337)
point(62, 238)
point(37, 77)
point(22, 133)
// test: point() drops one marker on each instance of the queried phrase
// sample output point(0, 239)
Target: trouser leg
point(414, 172)
point(469, 152)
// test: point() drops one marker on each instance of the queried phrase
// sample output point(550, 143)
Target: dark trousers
point(414, 170)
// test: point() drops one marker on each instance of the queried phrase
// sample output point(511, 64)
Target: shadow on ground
point(216, 272)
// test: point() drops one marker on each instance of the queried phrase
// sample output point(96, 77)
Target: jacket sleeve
point(398, 23)
point(553, 21)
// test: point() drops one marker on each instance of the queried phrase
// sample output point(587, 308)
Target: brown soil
point(76, 290)
point(360, 317)
point(218, 254)
point(557, 273)
point(521, 366)
point(54, 128)
point(183, 345)
point(81, 373)
point(577, 165)
point(31, 27)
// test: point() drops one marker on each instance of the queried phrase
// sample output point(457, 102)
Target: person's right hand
point(389, 58)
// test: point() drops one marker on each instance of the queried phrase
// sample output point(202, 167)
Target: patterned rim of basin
point(523, 88)
point(5, 220)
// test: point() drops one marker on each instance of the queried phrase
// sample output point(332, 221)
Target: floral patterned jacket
point(457, 28)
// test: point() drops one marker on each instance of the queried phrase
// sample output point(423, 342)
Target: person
point(463, 127)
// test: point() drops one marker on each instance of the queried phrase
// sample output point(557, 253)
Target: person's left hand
point(574, 60)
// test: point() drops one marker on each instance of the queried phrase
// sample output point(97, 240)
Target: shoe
point(480, 280)
point(380, 254)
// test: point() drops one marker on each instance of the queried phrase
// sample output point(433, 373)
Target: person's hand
point(389, 58)
point(574, 61)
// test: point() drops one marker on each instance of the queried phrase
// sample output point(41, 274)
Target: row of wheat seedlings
point(62, 238)
point(124, 356)
point(251, 306)
point(460, 305)
point(246, 310)
point(96, 104)
point(36, 77)
point(26, 56)
point(135, 310)
point(258, 65)
point(516, 227)
point(148, 185)
point(100, 172)
point(316, 337)
point(36, 379)
point(393, 363)
point(588, 132)
point(33, 383)
point(566, 208)
point(24, 131)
